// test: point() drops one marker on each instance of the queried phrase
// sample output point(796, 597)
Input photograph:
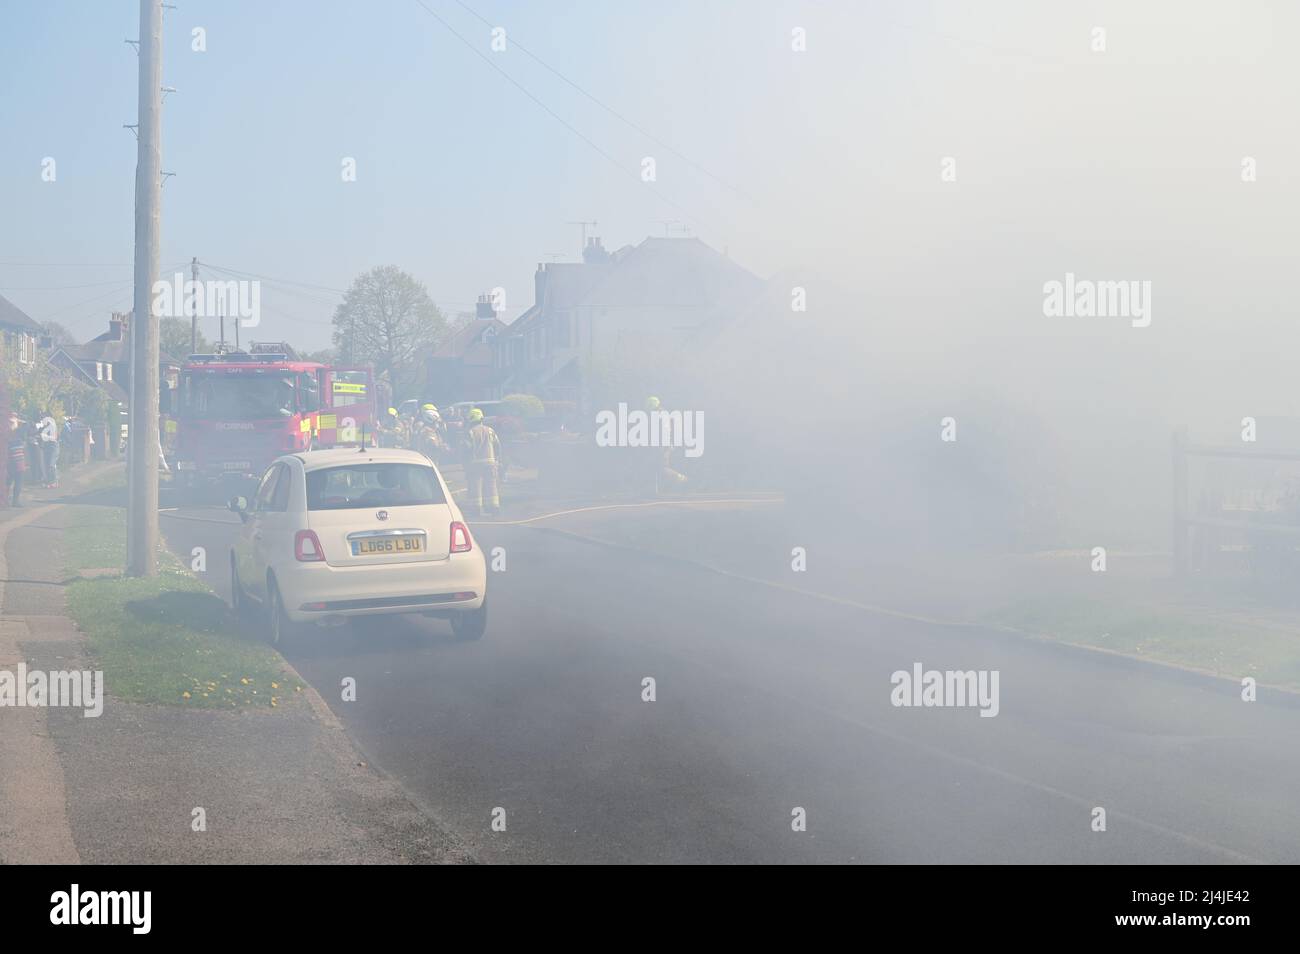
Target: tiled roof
point(467, 336)
point(11, 316)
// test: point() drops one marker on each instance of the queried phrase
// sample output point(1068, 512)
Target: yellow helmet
point(392, 412)
point(475, 415)
point(427, 407)
point(652, 403)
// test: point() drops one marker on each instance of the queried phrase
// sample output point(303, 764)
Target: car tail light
point(306, 547)
point(460, 539)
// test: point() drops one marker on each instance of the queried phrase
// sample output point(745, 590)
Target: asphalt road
point(768, 701)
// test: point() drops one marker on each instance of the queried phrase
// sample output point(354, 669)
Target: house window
point(108, 372)
point(99, 371)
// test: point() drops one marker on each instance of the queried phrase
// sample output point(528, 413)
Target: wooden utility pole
point(194, 314)
point(142, 456)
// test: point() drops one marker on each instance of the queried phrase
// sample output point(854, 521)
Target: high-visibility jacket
point(483, 444)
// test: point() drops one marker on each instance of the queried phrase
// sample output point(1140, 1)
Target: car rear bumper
point(455, 584)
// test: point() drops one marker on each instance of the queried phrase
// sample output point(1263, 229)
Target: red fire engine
point(238, 411)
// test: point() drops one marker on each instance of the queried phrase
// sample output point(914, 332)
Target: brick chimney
point(595, 253)
point(118, 324)
point(539, 283)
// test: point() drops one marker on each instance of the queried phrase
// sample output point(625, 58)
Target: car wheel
point(238, 601)
point(281, 631)
point(472, 625)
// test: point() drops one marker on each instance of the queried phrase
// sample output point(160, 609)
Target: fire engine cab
point(237, 411)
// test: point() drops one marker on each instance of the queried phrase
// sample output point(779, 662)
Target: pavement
point(770, 699)
point(285, 786)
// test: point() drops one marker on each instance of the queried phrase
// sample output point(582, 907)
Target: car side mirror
point(239, 505)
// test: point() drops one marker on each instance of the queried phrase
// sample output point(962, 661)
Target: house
point(104, 361)
point(463, 367)
point(21, 333)
point(643, 300)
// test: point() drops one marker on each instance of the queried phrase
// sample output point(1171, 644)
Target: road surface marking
point(627, 506)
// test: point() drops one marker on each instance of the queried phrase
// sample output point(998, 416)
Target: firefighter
point(426, 433)
point(390, 429)
point(483, 455)
point(665, 477)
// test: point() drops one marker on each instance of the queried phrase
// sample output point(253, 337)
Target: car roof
point(340, 456)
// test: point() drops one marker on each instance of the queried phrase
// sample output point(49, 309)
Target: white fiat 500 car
point(336, 534)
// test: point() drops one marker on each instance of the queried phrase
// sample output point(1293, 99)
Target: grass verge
point(95, 538)
point(110, 479)
point(166, 639)
point(1231, 645)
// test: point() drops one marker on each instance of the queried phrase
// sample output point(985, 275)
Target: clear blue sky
point(462, 179)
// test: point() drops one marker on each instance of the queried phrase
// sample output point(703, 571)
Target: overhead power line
point(268, 278)
point(241, 273)
point(68, 264)
point(10, 288)
point(610, 109)
point(114, 292)
point(558, 118)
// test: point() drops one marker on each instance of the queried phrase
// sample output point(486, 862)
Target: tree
point(174, 339)
point(388, 320)
point(58, 334)
point(324, 356)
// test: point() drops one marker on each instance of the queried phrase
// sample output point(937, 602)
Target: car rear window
point(355, 486)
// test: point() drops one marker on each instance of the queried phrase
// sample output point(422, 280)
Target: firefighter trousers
point(482, 490)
